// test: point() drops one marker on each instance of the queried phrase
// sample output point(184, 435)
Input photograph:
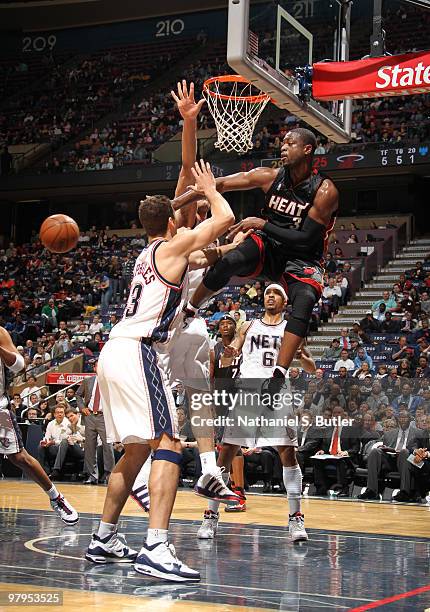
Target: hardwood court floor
point(358, 554)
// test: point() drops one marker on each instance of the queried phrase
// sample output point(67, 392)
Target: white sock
point(208, 462)
point(292, 477)
point(154, 536)
point(53, 493)
point(106, 529)
point(214, 505)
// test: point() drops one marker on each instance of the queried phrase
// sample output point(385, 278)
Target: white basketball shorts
point(137, 399)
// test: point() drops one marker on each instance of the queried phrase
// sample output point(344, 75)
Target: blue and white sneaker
point(111, 549)
point(212, 486)
point(141, 497)
point(65, 511)
point(160, 560)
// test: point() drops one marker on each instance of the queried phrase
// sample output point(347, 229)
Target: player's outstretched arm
point(189, 110)
point(222, 216)
point(209, 256)
point(9, 353)
point(261, 178)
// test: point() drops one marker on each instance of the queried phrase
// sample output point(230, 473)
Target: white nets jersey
point(154, 306)
point(261, 348)
point(195, 277)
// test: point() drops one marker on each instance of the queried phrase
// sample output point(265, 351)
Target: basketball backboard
point(268, 40)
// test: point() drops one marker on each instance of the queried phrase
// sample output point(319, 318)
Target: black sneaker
point(402, 496)
point(272, 386)
point(368, 494)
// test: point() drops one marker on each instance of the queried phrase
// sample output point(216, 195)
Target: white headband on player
point(278, 288)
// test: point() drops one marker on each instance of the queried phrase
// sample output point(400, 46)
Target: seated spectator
point(296, 379)
point(31, 388)
point(355, 345)
point(343, 380)
point(333, 295)
point(402, 441)
point(425, 303)
point(377, 397)
point(389, 325)
point(333, 351)
point(38, 367)
point(353, 239)
point(61, 346)
point(419, 473)
point(357, 332)
point(50, 314)
point(389, 301)
point(307, 437)
point(81, 333)
point(244, 299)
point(32, 417)
point(371, 430)
point(330, 264)
point(382, 372)
point(57, 430)
point(343, 443)
point(17, 405)
point(335, 397)
point(96, 325)
point(408, 323)
point(72, 446)
point(423, 369)
point(363, 357)
point(379, 315)
point(406, 397)
point(344, 340)
point(344, 361)
point(403, 350)
point(71, 399)
point(363, 372)
point(369, 324)
point(423, 332)
point(404, 369)
point(343, 284)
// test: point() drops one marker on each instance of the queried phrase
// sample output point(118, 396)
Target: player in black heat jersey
point(288, 245)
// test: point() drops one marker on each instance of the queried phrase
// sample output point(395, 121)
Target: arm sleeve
point(300, 241)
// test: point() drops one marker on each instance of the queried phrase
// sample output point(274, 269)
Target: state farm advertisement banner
point(396, 75)
point(63, 378)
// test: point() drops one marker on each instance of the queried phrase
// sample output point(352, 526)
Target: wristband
point(18, 364)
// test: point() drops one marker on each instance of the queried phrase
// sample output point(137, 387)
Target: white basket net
point(235, 108)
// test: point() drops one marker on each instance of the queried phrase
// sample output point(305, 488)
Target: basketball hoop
point(235, 109)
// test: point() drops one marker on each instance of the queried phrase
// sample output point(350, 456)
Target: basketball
point(59, 233)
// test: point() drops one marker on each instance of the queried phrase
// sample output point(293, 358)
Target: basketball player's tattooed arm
point(259, 178)
point(325, 204)
point(189, 110)
point(9, 353)
point(233, 350)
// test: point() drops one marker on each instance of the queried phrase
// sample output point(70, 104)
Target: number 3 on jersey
point(133, 301)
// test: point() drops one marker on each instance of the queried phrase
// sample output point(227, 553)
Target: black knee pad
point(303, 298)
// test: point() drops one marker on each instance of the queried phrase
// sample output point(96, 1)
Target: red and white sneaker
point(240, 506)
point(296, 527)
point(213, 487)
point(65, 511)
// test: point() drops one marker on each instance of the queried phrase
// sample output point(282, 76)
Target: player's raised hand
point(230, 352)
point(205, 180)
point(187, 106)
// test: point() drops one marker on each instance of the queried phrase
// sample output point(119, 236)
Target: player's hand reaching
point(240, 237)
point(187, 106)
point(230, 352)
point(249, 224)
point(205, 181)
